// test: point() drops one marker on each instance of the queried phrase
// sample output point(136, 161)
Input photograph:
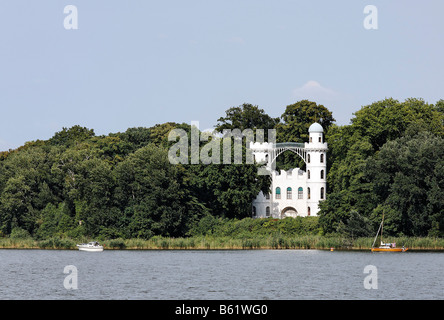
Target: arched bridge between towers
point(295, 147)
point(274, 150)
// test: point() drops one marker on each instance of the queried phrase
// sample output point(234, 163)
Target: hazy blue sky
point(137, 63)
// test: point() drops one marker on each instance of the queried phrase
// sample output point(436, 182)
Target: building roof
point(315, 127)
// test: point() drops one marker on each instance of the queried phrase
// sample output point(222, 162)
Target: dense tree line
point(389, 159)
point(116, 186)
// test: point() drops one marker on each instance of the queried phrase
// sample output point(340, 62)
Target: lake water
point(220, 274)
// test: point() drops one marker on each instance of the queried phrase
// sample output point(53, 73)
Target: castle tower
point(294, 192)
point(316, 166)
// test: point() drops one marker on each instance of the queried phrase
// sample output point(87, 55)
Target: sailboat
point(386, 247)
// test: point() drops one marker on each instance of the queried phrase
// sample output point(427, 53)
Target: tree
point(296, 120)
point(159, 133)
point(55, 220)
point(26, 186)
point(407, 177)
point(439, 106)
point(334, 211)
point(110, 148)
point(95, 186)
point(389, 119)
point(246, 116)
point(228, 190)
point(298, 117)
point(71, 136)
point(15, 205)
point(151, 192)
point(356, 226)
point(350, 185)
point(136, 137)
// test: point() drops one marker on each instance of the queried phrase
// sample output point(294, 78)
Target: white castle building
point(293, 192)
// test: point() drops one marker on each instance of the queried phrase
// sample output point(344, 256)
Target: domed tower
point(316, 164)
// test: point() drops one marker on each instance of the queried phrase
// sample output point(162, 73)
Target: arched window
point(308, 211)
point(278, 193)
point(267, 196)
point(300, 193)
point(288, 193)
point(308, 193)
point(267, 211)
point(322, 193)
point(254, 211)
point(322, 174)
point(311, 139)
point(322, 158)
point(320, 139)
point(308, 174)
point(308, 158)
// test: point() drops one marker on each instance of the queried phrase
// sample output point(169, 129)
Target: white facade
point(294, 192)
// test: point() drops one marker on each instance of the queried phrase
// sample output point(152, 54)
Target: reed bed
point(269, 242)
point(11, 243)
point(276, 241)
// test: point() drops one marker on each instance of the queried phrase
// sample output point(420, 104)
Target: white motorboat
point(93, 246)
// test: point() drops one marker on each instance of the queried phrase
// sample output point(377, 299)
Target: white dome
point(315, 127)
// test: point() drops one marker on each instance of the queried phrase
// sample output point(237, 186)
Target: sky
point(137, 63)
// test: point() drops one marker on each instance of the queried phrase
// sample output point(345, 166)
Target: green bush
point(19, 233)
point(116, 243)
point(250, 228)
point(55, 221)
point(57, 243)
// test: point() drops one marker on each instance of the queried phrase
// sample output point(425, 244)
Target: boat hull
point(99, 249)
point(92, 246)
point(389, 249)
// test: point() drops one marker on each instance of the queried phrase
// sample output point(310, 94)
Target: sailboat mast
point(382, 225)
point(377, 233)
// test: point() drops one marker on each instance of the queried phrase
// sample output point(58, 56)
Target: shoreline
point(223, 249)
point(269, 242)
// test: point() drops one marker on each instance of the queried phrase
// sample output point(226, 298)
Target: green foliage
point(149, 190)
point(355, 226)
point(136, 137)
point(54, 220)
point(19, 233)
point(57, 243)
point(389, 159)
point(227, 190)
point(77, 185)
point(71, 136)
point(298, 117)
point(249, 227)
point(246, 116)
point(408, 178)
point(296, 120)
point(116, 244)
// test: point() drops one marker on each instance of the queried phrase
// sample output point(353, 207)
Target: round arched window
point(288, 193)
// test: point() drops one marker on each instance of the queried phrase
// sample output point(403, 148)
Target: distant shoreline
point(222, 249)
point(270, 242)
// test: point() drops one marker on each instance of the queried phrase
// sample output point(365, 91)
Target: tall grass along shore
point(276, 241)
point(218, 233)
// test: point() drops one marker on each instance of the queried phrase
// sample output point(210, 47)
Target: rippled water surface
point(220, 274)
